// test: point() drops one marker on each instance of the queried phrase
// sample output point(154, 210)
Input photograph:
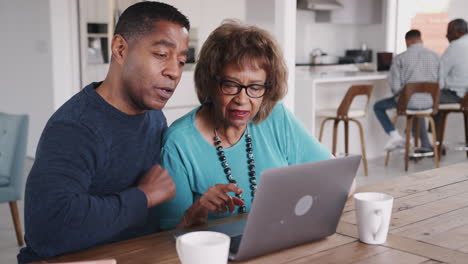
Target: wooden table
point(429, 225)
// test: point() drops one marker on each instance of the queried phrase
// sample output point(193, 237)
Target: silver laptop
point(293, 205)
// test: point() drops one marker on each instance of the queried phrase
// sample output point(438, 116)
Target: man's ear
point(119, 48)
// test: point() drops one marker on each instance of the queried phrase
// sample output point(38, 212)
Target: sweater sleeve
point(61, 214)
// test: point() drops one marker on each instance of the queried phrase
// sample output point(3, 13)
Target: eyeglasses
point(253, 90)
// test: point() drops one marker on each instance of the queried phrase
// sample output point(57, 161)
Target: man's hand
point(157, 186)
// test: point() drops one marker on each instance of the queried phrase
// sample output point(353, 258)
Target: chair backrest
point(352, 92)
point(464, 103)
point(13, 141)
point(431, 88)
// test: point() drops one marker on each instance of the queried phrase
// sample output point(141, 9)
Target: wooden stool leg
point(434, 138)
point(322, 127)
point(363, 147)
point(416, 131)
point(388, 152)
point(408, 137)
point(16, 222)
point(346, 136)
point(441, 135)
point(335, 135)
point(465, 116)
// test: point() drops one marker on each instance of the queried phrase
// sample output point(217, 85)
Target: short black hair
point(413, 34)
point(459, 25)
point(138, 19)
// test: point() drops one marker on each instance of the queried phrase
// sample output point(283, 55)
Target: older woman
point(240, 129)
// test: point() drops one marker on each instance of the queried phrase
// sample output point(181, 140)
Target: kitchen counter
point(337, 76)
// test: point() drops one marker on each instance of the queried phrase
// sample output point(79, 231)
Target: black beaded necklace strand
point(227, 169)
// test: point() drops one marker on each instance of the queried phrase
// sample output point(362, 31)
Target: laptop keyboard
point(235, 242)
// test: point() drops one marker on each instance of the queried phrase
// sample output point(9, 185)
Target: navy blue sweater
point(81, 191)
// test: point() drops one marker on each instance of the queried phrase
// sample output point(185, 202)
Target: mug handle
point(179, 250)
point(376, 229)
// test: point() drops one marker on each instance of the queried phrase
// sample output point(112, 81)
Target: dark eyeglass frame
point(241, 86)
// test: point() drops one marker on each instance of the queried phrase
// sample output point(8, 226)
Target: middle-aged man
point(95, 179)
point(454, 63)
point(453, 72)
point(416, 64)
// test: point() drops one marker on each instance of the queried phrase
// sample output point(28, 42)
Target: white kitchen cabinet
point(353, 12)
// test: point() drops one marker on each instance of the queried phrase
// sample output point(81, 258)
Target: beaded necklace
point(227, 169)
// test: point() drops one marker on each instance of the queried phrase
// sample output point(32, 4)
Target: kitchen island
point(320, 89)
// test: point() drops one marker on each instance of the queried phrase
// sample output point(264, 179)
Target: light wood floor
point(377, 172)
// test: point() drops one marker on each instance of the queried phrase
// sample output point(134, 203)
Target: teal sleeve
point(172, 212)
point(301, 147)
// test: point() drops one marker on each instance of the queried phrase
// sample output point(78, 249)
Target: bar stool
point(402, 105)
point(446, 109)
point(345, 113)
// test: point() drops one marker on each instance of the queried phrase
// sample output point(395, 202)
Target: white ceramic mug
point(373, 213)
point(205, 247)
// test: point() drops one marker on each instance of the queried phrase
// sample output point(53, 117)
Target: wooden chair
point(346, 114)
point(444, 110)
point(13, 141)
point(402, 110)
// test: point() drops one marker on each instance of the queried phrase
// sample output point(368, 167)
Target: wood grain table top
point(429, 225)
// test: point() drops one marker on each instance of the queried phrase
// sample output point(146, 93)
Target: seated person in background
point(239, 130)
point(416, 64)
point(453, 72)
point(454, 64)
point(95, 179)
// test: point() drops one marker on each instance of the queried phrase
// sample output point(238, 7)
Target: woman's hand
point(215, 200)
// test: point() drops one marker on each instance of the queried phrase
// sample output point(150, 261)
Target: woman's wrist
point(192, 215)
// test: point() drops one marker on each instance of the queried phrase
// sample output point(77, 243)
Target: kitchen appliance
point(318, 4)
point(384, 61)
point(356, 56)
point(317, 56)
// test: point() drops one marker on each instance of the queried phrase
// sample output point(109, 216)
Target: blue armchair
point(13, 141)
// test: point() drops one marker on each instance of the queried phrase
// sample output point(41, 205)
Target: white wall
point(261, 13)
point(285, 31)
point(457, 9)
point(331, 38)
point(278, 17)
point(26, 68)
point(65, 50)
